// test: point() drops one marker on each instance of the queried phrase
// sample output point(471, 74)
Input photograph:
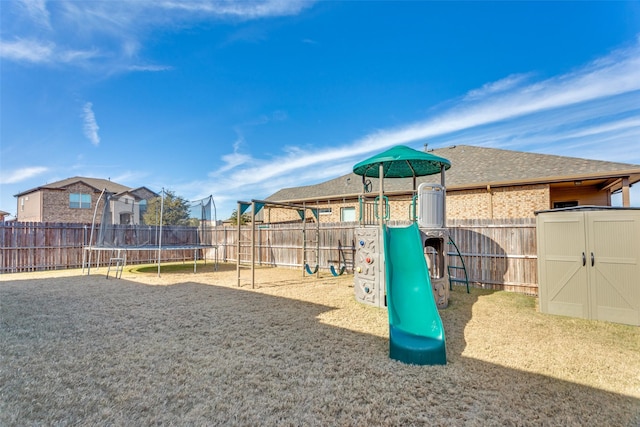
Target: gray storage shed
point(589, 263)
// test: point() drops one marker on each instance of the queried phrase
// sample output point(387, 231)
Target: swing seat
point(336, 273)
point(306, 267)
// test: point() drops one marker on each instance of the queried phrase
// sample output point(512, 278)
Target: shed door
point(614, 240)
point(563, 277)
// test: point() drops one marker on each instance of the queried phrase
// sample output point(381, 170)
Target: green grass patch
point(178, 267)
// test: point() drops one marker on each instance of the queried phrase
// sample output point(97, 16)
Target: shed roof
point(476, 167)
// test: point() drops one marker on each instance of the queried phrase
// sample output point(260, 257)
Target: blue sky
point(240, 99)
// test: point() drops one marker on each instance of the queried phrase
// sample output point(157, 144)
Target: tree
point(175, 210)
point(244, 218)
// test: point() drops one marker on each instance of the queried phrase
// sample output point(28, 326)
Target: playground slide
point(416, 334)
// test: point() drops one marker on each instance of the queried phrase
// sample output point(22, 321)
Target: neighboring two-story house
point(482, 183)
point(74, 200)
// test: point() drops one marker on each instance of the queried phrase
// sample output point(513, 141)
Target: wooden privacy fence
point(283, 244)
point(498, 254)
point(35, 246)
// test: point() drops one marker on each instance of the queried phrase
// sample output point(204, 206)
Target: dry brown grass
point(189, 349)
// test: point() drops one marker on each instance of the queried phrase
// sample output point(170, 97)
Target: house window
point(143, 207)
point(559, 205)
point(79, 201)
point(125, 218)
point(347, 214)
point(324, 211)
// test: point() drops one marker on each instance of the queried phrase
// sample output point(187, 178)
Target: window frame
point(79, 201)
point(565, 204)
point(347, 209)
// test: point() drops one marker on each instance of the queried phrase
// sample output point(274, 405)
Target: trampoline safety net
point(122, 225)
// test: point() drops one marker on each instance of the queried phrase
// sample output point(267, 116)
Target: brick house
point(482, 183)
point(74, 199)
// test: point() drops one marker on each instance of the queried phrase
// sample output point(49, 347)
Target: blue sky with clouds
point(240, 99)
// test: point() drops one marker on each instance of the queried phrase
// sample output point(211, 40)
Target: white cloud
point(232, 161)
point(42, 52)
point(90, 125)
point(610, 127)
point(73, 28)
point(151, 68)
point(596, 105)
point(26, 51)
point(76, 56)
point(244, 10)
point(37, 12)
point(235, 159)
point(549, 131)
point(601, 79)
point(502, 85)
point(19, 175)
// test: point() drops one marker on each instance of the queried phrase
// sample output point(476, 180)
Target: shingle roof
point(477, 167)
point(97, 183)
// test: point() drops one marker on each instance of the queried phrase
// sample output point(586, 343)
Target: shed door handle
point(584, 260)
point(592, 260)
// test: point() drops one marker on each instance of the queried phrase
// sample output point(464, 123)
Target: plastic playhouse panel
point(431, 205)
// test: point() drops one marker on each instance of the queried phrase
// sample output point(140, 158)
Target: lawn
point(194, 349)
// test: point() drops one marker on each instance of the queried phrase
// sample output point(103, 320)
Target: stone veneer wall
point(56, 205)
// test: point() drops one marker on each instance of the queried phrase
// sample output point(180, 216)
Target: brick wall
point(498, 203)
point(494, 203)
point(272, 215)
point(399, 210)
point(56, 205)
point(291, 215)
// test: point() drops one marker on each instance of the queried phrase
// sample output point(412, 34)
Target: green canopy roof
point(401, 162)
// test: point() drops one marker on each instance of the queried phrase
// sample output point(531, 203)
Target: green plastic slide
point(416, 334)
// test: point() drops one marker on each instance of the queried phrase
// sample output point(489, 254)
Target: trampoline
point(120, 230)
